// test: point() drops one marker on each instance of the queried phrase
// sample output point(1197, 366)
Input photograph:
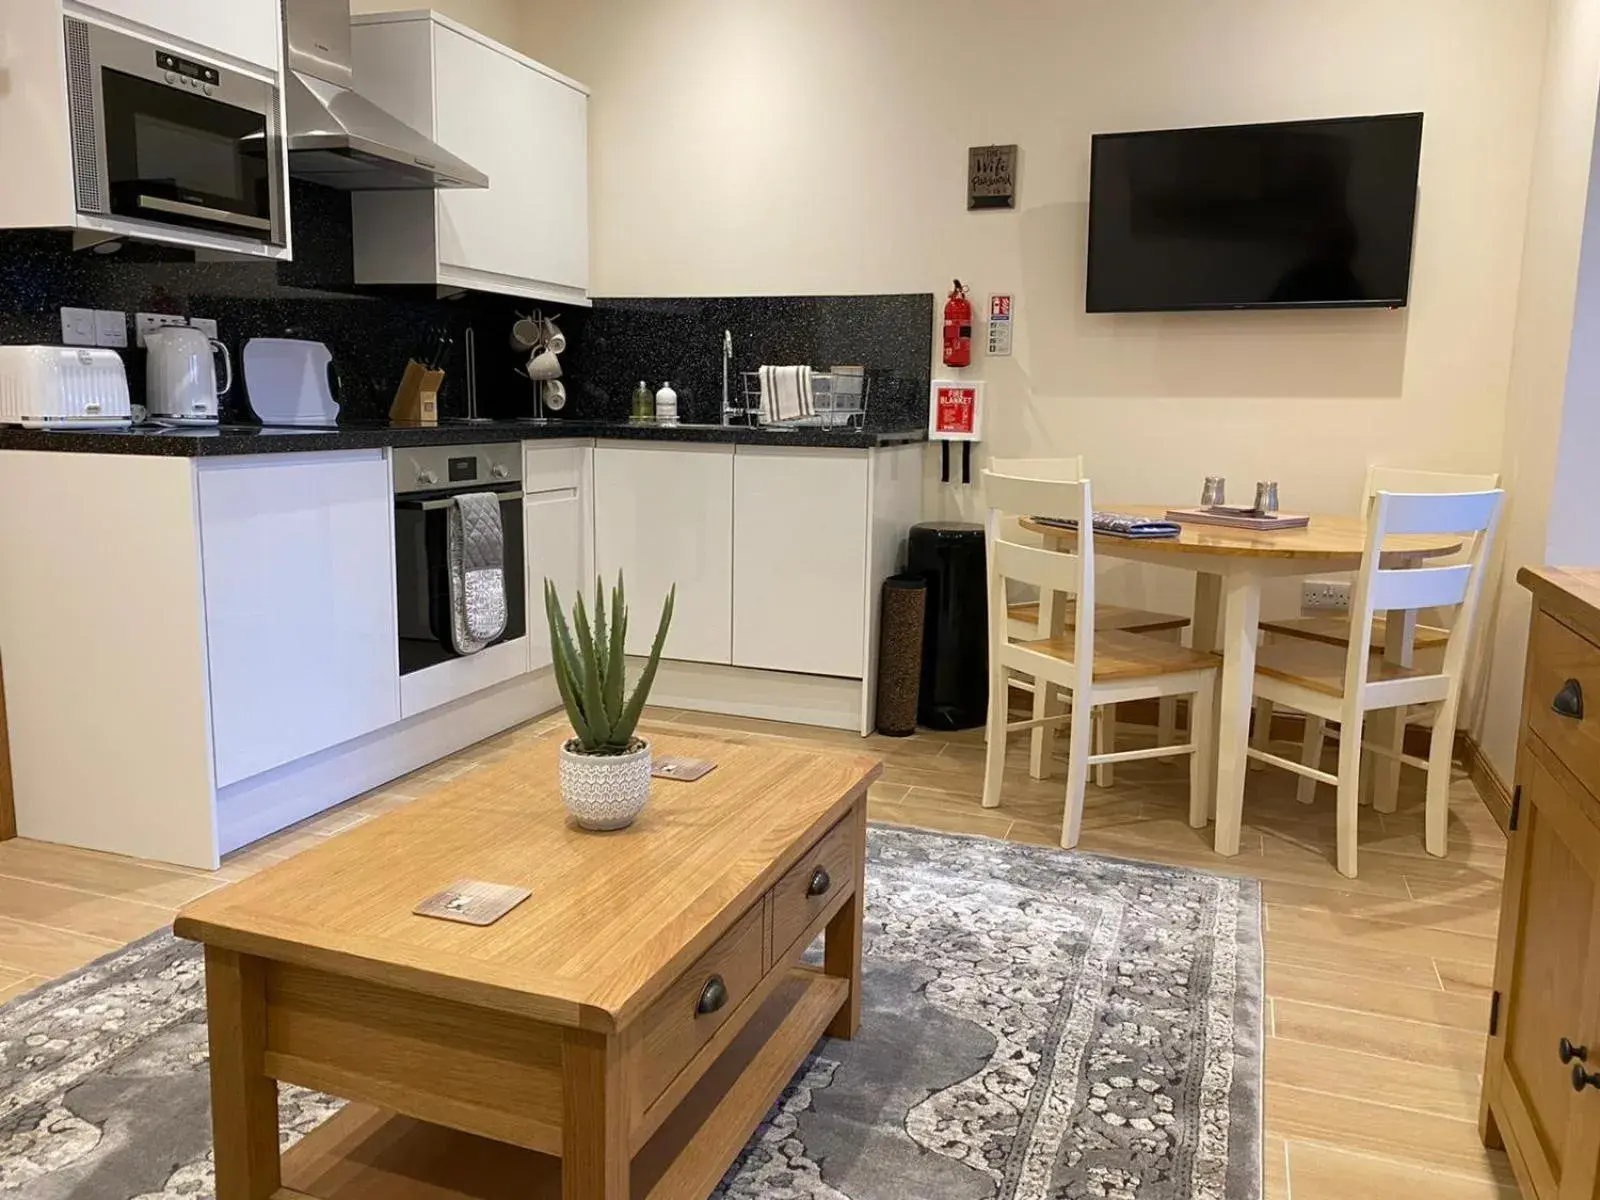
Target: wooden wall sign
point(992, 177)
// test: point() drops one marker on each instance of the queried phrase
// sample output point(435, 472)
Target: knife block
point(416, 401)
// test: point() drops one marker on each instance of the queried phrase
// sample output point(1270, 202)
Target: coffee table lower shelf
point(363, 1153)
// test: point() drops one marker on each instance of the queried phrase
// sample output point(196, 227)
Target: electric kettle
point(181, 375)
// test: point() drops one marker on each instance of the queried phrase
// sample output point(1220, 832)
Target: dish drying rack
point(838, 400)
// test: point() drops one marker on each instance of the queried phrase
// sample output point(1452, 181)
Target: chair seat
point(1320, 668)
point(1120, 655)
point(1106, 616)
point(1335, 631)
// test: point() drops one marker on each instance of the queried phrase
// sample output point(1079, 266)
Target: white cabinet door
point(800, 560)
point(529, 133)
point(552, 524)
point(297, 556)
point(247, 29)
point(663, 516)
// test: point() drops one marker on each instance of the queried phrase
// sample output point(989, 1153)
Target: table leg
point(1046, 696)
point(841, 946)
point(1205, 634)
point(1242, 594)
point(594, 1118)
point(244, 1101)
point(1389, 725)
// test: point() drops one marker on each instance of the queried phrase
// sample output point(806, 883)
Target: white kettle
point(181, 375)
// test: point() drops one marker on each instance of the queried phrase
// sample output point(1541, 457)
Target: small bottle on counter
point(644, 405)
point(666, 405)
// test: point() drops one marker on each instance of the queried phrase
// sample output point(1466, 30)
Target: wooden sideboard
point(1541, 1078)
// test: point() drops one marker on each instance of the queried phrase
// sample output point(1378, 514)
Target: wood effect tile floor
point(1377, 987)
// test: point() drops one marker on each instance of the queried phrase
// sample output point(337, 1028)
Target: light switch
point(110, 328)
point(77, 327)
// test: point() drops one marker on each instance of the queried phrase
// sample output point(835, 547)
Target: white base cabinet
point(523, 125)
point(297, 558)
point(663, 517)
point(249, 30)
point(800, 560)
point(558, 528)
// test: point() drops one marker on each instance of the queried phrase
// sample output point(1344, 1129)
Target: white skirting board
point(743, 692)
point(268, 802)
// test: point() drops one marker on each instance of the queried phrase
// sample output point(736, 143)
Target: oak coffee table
point(620, 1033)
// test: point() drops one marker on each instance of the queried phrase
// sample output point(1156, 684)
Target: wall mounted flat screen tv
point(1305, 214)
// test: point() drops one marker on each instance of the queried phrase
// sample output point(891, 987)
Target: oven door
point(422, 575)
point(165, 138)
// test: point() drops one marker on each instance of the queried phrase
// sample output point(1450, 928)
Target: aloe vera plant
point(590, 668)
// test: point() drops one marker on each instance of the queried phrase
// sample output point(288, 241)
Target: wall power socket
point(145, 324)
point(1325, 595)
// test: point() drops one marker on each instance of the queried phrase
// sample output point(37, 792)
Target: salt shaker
point(1214, 494)
point(1267, 498)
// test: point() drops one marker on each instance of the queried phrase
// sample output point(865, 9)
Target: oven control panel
point(456, 468)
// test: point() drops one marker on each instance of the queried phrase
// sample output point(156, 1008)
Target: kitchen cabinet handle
point(1569, 1052)
point(1583, 1079)
point(821, 881)
point(712, 997)
point(1569, 701)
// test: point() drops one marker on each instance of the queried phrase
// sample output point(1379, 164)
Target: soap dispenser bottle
point(666, 405)
point(644, 405)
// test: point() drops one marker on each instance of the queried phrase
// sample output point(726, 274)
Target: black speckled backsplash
point(372, 330)
point(680, 341)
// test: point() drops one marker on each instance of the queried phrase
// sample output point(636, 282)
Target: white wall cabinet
point(663, 515)
point(297, 558)
point(523, 125)
point(800, 560)
point(250, 30)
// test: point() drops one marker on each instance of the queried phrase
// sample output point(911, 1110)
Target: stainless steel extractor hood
point(339, 138)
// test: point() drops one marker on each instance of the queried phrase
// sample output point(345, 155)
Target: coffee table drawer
point(675, 1027)
point(823, 874)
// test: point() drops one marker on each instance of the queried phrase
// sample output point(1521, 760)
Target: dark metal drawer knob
point(1584, 1079)
point(1569, 1052)
point(820, 882)
point(712, 997)
point(1569, 700)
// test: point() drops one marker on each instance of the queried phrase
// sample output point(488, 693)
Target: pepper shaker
point(1214, 494)
point(1267, 498)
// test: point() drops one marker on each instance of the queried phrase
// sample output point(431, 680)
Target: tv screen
point(1306, 214)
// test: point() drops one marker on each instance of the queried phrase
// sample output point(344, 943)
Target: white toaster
point(62, 387)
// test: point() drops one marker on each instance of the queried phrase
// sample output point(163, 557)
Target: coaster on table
point(473, 902)
point(684, 770)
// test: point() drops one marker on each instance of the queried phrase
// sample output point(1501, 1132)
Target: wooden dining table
point(1230, 567)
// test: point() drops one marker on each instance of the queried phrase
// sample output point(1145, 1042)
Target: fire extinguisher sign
point(955, 411)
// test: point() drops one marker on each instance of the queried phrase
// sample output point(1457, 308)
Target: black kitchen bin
point(949, 557)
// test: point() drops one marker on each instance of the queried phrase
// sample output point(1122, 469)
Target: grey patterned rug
point(1037, 1026)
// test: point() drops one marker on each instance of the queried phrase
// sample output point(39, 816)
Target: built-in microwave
point(163, 141)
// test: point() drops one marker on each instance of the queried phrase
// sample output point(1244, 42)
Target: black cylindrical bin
point(949, 555)
point(900, 624)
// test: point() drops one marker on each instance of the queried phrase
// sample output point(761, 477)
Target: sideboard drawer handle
point(712, 997)
point(1569, 1052)
point(1583, 1079)
point(820, 882)
point(1569, 700)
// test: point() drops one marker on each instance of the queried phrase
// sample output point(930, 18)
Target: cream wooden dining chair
point(1095, 668)
point(1330, 684)
point(1333, 629)
point(1035, 619)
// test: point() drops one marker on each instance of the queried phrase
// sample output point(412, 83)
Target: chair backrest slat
point(1450, 512)
point(1043, 568)
point(1403, 479)
point(1423, 587)
point(1020, 496)
point(1063, 470)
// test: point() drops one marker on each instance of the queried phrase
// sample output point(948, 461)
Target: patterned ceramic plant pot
point(605, 791)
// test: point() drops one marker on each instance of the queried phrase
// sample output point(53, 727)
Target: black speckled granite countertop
point(245, 439)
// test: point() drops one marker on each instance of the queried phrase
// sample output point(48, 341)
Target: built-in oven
point(163, 140)
point(426, 481)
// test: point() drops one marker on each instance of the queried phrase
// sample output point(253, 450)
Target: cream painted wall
point(504, 20)
point(1544, 333)
point(819, 146)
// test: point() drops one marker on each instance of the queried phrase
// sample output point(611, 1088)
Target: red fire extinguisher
point(957, 328)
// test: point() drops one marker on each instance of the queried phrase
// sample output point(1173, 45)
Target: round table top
point(1327, 537)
